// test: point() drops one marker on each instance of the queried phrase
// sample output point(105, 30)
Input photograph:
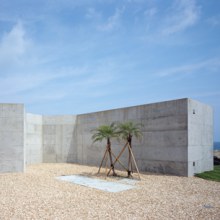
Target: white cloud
point(150, 12)
point(210, 64)
point(182, 15)
point(13, 44)
point(92, 13)
point(31, 73)
point(113, 21)
point(214, 20)
point(206, 94)
point(51, 84)
point(16, 83)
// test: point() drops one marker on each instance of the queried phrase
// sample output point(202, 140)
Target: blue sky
point(72, 57)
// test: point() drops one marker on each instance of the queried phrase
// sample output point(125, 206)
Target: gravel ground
point(36, 194)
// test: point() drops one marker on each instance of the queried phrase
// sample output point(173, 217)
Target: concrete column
point(12, 152)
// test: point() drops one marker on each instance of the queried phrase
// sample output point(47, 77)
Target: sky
point(81, 56)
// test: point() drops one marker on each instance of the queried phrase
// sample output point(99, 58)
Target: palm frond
point(130, 129)
point(104, 132)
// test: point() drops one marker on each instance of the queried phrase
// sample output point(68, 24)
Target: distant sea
point(216, 145)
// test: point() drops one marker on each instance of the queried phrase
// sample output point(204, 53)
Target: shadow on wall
point(73, 151)
point(60, 139)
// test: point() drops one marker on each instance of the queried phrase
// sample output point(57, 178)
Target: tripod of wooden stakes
point(108, 156)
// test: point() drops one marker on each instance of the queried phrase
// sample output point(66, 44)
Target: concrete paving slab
point(129, 181)
point(104, 185)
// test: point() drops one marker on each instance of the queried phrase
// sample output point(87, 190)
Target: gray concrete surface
point(163, 147)
point(200, 137)
point(34, 138)
point(177, 137)
point(107, 186)
point(12, 155)
point(59, 139)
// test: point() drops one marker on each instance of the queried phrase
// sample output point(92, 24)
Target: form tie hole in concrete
point(194, 111)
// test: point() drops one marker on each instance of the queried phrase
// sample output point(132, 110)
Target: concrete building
point(177, 137)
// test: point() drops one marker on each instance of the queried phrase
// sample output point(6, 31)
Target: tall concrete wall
point(34, 138)
point(166, 147)
point(12, 155)
point(200, 137)
point(59, 139)
point(177, 137)
point(163, 147)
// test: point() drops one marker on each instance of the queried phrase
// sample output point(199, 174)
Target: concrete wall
point(171, 140)
point(33, 138)
point(177, 137)
point(163, 147)
point(59, 139)
point(12, 155)
point(200, 137)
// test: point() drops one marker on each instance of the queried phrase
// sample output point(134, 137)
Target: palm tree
point(127, 130)
point(106, 132)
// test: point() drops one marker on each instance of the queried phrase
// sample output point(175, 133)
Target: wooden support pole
point(120, 162)
point(111, 162)
point(116, 159)
point(106, 162)
point(134, 161)
point(120, 153)
point(105, 154)
point(129, 161)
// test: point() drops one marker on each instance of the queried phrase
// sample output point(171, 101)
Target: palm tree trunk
point(110, 156)
point(129, 156)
